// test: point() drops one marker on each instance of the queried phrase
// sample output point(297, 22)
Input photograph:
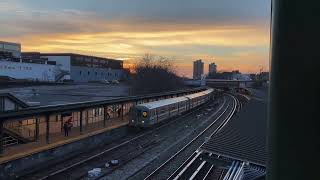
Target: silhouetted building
point(12, 48)
point(253, 77)
point(212, 68)
point(233, 75)
point(197, 69)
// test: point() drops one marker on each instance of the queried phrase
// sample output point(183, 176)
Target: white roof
point(191, 96)
point(208, 91)
point(164, 102)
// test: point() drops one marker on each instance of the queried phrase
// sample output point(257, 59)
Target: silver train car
point(151, 113)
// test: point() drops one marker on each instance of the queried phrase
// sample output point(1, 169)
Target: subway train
point(151, 113)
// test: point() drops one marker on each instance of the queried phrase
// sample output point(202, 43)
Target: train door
point(157, 115)
point(189, 104)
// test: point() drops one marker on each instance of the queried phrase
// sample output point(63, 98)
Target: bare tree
point(155, 74)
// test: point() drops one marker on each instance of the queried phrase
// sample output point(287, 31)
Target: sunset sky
point(232, 33)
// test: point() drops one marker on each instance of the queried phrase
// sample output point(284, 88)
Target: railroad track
point(129, 143)
point(155, 156)
point(176, 174)
point(197, 168)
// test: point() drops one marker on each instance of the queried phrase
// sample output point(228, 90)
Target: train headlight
point(144, 114)
point(142, 121)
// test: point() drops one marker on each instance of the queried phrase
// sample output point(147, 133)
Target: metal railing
point(9, 141)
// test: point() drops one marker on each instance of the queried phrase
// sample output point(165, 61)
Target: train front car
point(151, 113)
point(141, 116)
point(148, 114)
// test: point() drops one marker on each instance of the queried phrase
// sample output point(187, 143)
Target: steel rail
point(207, 174)
point(195, 138)
point(123, 143)
point(198, 169)
point(217, 130)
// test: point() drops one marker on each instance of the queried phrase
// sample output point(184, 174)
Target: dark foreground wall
point(22, 166)
point(294, 131)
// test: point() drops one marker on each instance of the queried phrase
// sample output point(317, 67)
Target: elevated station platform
point(34, 137)
point(59, 139)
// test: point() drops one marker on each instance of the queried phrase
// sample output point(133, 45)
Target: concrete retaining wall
point(29, 164)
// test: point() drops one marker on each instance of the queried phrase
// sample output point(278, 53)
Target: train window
point(163, 110)
point(153, 112)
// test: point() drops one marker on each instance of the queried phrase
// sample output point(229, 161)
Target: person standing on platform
point(70, 124)
point(66, 129)
point(119, 112)
point(107, 115)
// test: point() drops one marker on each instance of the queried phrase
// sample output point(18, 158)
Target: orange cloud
point(129, 43)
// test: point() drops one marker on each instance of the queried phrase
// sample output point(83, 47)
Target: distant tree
point(155, 74)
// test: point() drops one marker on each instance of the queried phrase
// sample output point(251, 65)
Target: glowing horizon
point(233, 43)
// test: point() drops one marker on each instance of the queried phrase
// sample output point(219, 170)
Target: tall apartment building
point(198, 69)
point(212, 68)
